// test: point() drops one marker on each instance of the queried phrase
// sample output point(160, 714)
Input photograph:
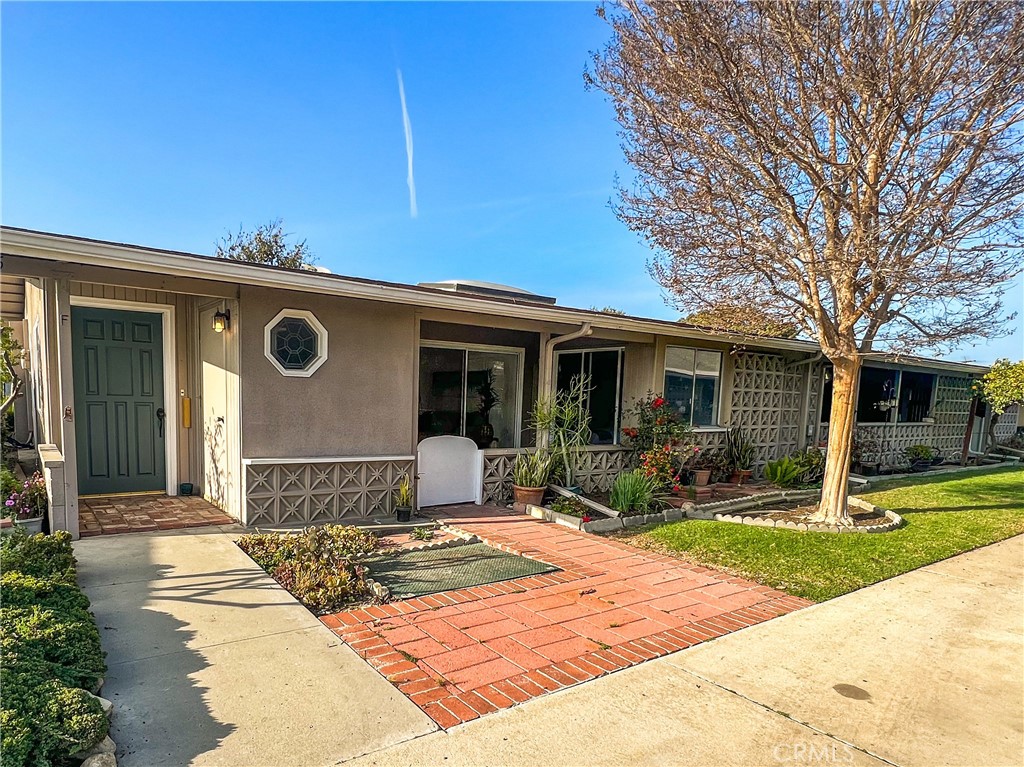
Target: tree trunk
point(833, 509)
point(967, 433)
point(990, 435)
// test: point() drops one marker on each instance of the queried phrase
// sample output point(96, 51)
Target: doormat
point(417, 573)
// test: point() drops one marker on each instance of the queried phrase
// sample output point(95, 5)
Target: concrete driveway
point(211, 662)
point(922, 670)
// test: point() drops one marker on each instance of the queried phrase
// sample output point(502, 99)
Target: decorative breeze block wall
point(766, 400)
point(339, 490)
point(889, 441)
point(600, 467)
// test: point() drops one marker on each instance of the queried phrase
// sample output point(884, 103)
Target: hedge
point(49, 651)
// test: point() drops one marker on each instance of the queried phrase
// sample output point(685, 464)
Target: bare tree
point(855, 166)
point(267, 244)
point(749, 319)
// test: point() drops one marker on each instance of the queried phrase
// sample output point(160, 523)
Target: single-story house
point(290, 397)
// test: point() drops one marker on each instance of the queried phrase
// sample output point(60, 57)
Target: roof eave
point(53, 247)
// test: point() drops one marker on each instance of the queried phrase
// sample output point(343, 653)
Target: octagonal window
point(296, 342)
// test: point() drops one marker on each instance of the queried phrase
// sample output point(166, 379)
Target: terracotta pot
point(528, 495)
point(701, 477)
point(740, 476)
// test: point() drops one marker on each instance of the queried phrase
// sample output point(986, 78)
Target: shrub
point(45, 722)
point(920, 453)
point(660, 465)
point(784, 472)
point(54, 593)
point(812, 466)
point(317, 565)
point(66, 641)
point(39, 555)
point(49, 649)
point(574, 507)
point(657, 424)
point(633, 492)
point(8, 482)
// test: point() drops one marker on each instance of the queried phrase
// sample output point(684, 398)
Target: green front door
point(120, 416)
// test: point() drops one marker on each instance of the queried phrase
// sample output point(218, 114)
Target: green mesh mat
point(417, 573)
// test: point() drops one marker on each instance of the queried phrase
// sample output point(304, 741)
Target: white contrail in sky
point(408, 146)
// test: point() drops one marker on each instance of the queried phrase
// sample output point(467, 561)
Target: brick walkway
point(145, 513)
point(465, 653)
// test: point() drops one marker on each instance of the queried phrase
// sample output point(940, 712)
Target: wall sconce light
point(221, 321)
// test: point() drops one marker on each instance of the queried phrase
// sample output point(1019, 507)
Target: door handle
point(160, 417)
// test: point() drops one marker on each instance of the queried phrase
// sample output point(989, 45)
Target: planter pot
point(701, 477)
point(31, 526)
point(937, 460)
point(869, 469)
point(185, 488)
point(528, 495)
point(921, 465)
point(740, 476)
point(404, 513)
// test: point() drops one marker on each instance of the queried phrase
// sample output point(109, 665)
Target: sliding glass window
point(604, 366)
point(471, 392)
point(693, 383)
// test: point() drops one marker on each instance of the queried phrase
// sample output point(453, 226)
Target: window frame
point(318, 330)
point(621, 352)
point(893, 416)
point(717, 425)
point(465, 348)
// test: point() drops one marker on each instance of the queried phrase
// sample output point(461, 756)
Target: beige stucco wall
point(359, 402)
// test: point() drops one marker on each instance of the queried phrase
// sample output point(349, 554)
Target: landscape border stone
point(750, 507)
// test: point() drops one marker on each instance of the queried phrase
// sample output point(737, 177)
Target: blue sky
point(169, 124)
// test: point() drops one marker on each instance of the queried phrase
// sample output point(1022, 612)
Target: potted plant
point(741, 452)
point(530, 474)
point(920, 457)
point(27, 506)
point(701, 465)
point(403, 500)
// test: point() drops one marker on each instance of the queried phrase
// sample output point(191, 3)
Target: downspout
point(548, 382)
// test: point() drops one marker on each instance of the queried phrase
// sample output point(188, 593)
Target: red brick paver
point(145, 513)
point(462, 654)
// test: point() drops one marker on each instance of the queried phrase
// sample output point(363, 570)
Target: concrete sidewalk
point(211, 662)
point(922, 670)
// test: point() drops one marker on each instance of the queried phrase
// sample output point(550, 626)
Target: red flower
point(586, 518)
point(658, 402)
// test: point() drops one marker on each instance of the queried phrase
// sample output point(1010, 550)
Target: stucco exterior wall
point(360, 402)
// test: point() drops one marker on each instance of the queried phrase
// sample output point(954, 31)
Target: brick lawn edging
point(459, 655)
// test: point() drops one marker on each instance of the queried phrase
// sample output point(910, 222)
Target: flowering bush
point(29, 501)
point(661, 465)
point(656, 424)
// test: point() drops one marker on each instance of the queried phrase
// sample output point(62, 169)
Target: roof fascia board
point(57, 248)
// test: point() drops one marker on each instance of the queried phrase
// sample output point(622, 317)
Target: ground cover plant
point(943, 516)
point(49, 651)
point(319, 565)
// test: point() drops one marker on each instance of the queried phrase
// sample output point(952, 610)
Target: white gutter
point(62, 249)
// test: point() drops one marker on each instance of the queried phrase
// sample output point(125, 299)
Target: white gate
point(450, 470)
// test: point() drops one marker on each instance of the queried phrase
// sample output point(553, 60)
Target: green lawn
point(942, 516)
